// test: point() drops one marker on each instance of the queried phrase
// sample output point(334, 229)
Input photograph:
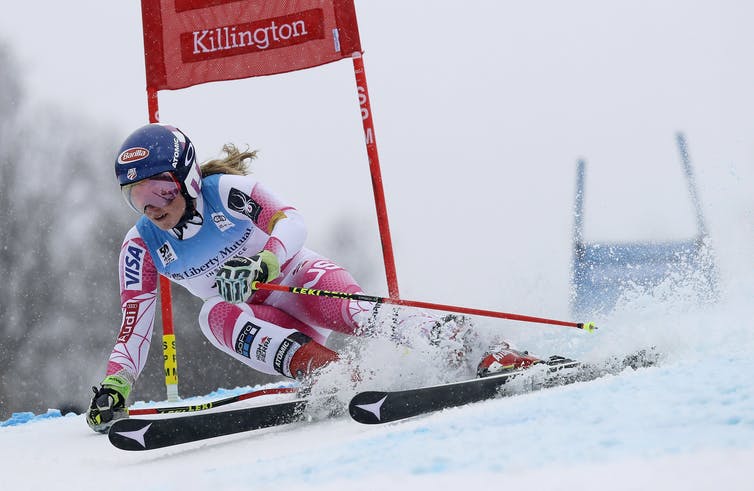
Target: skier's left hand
point(108, 403)
point(235, 277)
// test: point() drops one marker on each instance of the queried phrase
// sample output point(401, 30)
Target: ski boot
point(501, 358)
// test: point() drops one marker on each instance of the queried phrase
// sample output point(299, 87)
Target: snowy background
point(480, 111)
point(480, 115)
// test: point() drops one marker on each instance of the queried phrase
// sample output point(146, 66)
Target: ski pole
point(256, 285)
point(212, 404)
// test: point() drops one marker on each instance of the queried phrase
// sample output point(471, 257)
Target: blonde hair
point(235, 162)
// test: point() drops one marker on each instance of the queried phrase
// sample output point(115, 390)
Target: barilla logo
point(132, 155)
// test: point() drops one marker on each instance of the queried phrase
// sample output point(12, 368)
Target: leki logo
point(132, 155)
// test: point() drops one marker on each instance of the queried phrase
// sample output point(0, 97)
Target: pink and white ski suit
point(274, 332)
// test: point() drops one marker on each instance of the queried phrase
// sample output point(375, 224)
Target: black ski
point(375, 407)
point(148, 434)
point(365, 407)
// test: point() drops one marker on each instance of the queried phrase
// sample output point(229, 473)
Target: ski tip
point(129, 434)
point(366, 407)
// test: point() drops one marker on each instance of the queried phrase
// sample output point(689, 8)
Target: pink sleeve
point(282, 222)
point(138, 287)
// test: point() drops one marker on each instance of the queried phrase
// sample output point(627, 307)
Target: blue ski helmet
point(157, 148)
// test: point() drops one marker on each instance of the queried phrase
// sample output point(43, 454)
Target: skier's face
point(167, 216)
point(159, 198)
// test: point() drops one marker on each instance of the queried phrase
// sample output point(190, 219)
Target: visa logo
point(132, 267)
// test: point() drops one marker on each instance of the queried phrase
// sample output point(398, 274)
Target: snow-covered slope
point(686, 424)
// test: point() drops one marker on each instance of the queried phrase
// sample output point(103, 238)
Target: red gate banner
point(190, 42)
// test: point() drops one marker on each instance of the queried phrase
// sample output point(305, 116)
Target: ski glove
point(235, 277)
point(108, 404)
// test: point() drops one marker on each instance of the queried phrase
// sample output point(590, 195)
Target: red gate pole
point(170, 357)
point(374, 169)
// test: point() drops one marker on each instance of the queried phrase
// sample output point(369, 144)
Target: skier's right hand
point(108, 403)
point(235, 277)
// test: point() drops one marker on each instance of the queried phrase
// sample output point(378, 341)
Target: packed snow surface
point(687, 423)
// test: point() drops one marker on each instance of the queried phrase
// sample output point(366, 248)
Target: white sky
point(481, 110)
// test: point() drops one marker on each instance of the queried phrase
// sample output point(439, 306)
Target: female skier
point(214, 230)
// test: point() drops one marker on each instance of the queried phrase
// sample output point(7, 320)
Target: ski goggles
point(158, 191)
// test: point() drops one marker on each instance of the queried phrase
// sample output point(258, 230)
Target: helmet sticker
point(189, 157)
point(193, 181)
point(176, 152)
point(131, 173)
point(131, 155)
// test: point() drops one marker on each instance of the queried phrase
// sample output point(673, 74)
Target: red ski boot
point(501, 358)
